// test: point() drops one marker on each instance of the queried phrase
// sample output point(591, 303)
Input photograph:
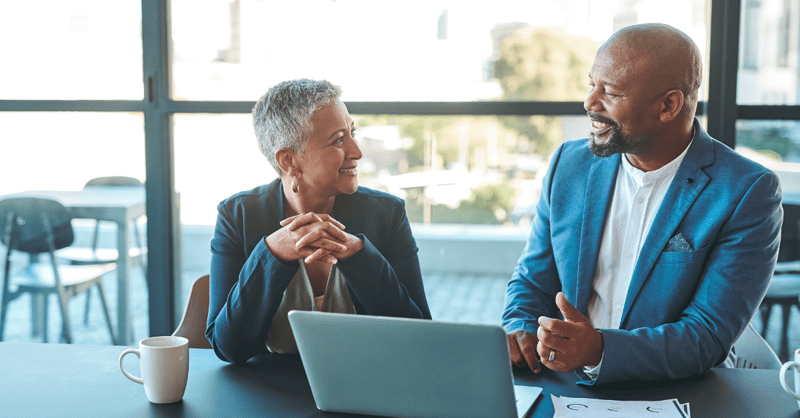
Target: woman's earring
point(295, 187)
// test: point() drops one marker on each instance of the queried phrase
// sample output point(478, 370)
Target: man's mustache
point(597, 118)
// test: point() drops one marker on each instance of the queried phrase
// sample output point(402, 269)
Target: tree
point(543, 64)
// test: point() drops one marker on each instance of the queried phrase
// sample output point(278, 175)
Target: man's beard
point(617, 142)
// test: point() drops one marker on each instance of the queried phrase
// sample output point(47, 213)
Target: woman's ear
point(287, 161)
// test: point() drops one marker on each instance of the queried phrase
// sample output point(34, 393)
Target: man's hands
point(573, 342)
point(313, 237)
point(522, 348)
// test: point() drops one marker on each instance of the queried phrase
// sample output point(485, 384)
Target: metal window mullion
point(723, 70)
point(163, 221)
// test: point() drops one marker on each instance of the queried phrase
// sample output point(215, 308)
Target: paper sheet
point(601, 408)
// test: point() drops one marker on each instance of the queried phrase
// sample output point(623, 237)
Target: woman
point(312, 239)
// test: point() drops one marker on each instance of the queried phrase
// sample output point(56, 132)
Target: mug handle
point(786, 366)
point(125, 372)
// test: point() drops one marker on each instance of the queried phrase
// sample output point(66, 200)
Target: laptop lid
point(402, 367)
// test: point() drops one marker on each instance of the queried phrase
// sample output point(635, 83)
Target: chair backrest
point(193, 323)
point(26, 224)
point(752, 351)
point(114, 181)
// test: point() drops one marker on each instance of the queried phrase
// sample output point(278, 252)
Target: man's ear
point(287, 161)
point(671, 105)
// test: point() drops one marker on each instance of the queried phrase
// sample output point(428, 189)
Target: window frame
point(158, 108)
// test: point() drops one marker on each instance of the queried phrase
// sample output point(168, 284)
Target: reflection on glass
point(414, 50)
point(449, 169)
point(774, 144)
point(769, 63)
point(79, 49)
point(215, 157)
point(63, 150)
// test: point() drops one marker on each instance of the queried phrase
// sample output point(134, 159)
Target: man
point(653, 243)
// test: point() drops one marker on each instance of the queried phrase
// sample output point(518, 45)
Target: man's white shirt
point(637, 197)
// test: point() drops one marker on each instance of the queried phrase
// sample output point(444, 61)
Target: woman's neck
point(306, 201)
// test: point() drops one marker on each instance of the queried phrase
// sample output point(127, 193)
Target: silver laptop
point(401, 367)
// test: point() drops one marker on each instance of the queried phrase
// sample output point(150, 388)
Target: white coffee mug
point(788, 365)
point(164, 362)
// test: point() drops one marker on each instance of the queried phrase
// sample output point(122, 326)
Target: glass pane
point(417, 50)
point(769, 53)
point(78, 49)
point(776, 145)
point(63, 150)
point(56, 154)
point(215, 157)
point(450, 169)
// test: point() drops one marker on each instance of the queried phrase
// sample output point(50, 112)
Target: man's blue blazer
point(684, 310)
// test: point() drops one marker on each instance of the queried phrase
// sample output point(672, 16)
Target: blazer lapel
point(599, 190)
point(687, 184)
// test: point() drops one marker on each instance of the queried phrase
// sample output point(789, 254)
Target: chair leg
point(3, 310)
point(766, 312)
point(784, 347)
point(66, 328)
point(86, 309)
point(44, 301)
point(105, 311)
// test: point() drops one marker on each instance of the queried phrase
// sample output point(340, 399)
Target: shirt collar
point(642, 177)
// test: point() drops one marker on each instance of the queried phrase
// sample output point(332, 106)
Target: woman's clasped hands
point(312, 237)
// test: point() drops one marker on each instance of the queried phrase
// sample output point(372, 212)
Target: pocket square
point(678, 244)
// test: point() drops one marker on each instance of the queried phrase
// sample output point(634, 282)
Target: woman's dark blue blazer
point(248, 282)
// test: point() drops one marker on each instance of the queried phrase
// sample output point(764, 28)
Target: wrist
point(597, 352)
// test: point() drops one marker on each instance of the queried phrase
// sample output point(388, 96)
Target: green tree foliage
point(543, 65)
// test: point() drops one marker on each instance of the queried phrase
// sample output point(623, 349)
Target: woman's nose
point(354, 151)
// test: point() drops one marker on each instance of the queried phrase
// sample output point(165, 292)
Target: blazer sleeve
point(732, 282)
point(244, 293)
point(385, 276)
point(535, 282)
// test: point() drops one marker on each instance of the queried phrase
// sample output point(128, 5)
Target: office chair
point(753, 351)
point(784, 288)
point(193, 323)
point(41, 226)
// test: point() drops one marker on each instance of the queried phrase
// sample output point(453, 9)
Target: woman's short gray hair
point(282, 116)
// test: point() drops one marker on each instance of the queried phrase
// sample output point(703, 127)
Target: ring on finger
point(552, 355)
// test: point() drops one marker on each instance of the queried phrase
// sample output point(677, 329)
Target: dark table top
point(85, 380)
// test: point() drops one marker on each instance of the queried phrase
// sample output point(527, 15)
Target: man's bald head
point(670, 57)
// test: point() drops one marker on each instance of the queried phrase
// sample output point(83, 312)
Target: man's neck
point(670, 148)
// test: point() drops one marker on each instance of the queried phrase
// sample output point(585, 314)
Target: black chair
point(99, 255)
point(784, 288)
point(41, 226)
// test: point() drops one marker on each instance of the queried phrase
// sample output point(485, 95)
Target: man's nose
point(592, 103)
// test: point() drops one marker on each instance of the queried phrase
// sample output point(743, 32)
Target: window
point(458, 165)
point(769, 72)
point(82, 49)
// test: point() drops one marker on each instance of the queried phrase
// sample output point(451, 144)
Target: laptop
point(400, 367)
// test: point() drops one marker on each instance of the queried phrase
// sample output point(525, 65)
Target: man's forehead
point(611, 69)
